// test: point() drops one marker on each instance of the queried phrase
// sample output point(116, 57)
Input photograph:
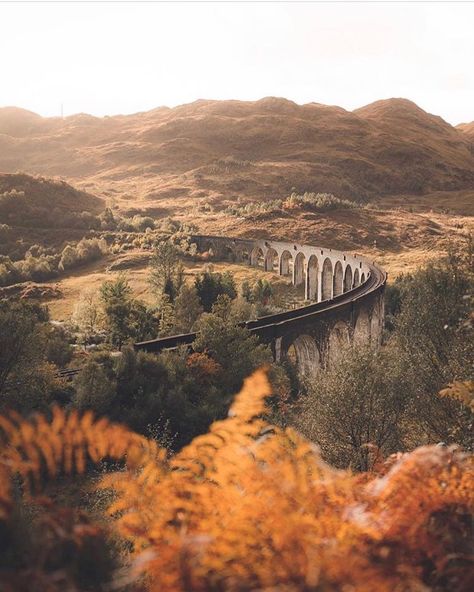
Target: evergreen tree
point(187, 309)
point(167, 273)
point(210, 285)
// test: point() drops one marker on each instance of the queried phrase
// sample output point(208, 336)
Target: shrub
point(249, 506)
point(316, 202)
point(210, 285)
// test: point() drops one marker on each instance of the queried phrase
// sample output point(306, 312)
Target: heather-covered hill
point(35, 201)
point(223, 150)
point(467, 129)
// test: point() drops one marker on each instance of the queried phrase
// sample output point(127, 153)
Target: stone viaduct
point(344, 295)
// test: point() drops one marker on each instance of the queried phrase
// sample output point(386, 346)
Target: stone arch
point(243, 256)
point(362, 278)
point(312, 278)
point(271, 260)
point(356, 280)
point(286, 263)
point(229, 253)
point(210, 248)
point(338, 279)
point(348, 278)
point(256, 257)
point(326, 283)
point(305, 354)
point(339, 339)
point(298, 272)
point(362, 329)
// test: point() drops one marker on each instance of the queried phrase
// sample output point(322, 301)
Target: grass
point(92, 276)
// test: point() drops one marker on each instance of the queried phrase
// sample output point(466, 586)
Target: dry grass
point(91, 277)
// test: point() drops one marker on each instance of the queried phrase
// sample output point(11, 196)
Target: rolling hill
point(38, 202)
point(468, 130)
point(220, 151)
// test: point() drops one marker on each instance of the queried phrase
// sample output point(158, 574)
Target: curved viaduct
point(345, 294)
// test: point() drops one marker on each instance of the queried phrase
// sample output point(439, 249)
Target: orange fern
point(249, 506)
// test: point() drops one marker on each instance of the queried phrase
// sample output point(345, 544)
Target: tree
point(242, 310)
point(87, 314)
point(125, 317)
point(143, 322)
point(116, 301)
point(187, 309)
point(167, 274)
point(432, 332)
point(210, 285)
point(27, 379)
point(262, 291)
point(94, 388)
point(355, 411)
point(232, 347)
point(222, 307)
point(58, 350)
point(246, 291)
point(166, 316)
point(118, 288)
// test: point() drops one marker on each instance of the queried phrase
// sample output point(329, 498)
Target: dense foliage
point(247, 506)
point(377, 402)
point(30, 351)
point(41, 264)
point(308, 201)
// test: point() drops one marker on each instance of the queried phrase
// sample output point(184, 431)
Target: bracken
point(249, 506)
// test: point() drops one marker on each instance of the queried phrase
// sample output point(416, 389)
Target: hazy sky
point(108, 58)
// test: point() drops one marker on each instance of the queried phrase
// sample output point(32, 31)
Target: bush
point(315, 202)
point(249, 506)
point(94, 388)
point(356, 411)
point(210, 285)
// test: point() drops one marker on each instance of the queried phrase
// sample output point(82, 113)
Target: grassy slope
point(167, 161)
point(222, 150)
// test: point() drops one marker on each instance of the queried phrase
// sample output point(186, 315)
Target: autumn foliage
point(249, 506)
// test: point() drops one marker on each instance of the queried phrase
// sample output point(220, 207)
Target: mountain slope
point(467, 129)
point(35, 201)
point(224, 150)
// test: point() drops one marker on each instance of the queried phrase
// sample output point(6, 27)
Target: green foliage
point(262, 291)
point(94, 388)
point(27, 380)
point(361, 402)
point(125, 318)
point(308, 201)
point(166, 316)
point(58, 350)
point(389, 399)
point(39, 265)
point(166, 270)
point(187, 309)
point(210, 285)
point(432, 334)
point(232, 347)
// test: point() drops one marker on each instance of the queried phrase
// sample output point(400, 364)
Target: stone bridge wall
point(325, 273)
point(345, 294)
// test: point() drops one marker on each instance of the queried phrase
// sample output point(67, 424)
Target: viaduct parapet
point(344, 291)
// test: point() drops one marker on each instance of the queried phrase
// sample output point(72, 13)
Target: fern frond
point(462, 391)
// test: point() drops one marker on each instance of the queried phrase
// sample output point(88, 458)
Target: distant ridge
point(224, 150)
point(467, 129)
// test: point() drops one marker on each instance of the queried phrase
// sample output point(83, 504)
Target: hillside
point(218, 151)
point(468, 130)
point(40, 202)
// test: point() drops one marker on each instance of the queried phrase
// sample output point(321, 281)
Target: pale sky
point(107, 58)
